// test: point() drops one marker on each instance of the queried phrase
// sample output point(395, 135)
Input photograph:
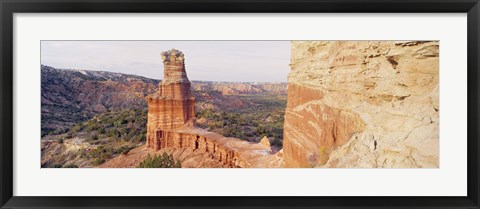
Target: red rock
point(313, 129)
point(170, 126)
point(173, 106)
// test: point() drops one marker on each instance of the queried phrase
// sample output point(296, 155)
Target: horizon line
point(78, 69)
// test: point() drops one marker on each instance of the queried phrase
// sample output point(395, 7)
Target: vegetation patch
point(96, 140)
point(160, 161)
point(264, 117)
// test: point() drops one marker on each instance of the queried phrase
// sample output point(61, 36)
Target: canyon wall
point(362, 104)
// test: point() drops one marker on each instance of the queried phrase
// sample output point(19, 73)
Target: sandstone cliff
point(363, 104)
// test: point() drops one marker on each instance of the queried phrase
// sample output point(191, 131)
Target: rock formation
point(214, 150)
point(173, 106)
point(362, 104)
point(265, 142)
point(170, 126)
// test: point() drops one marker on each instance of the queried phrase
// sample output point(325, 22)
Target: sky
point(234, 61)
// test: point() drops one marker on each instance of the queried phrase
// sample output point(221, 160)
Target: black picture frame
point(9, 7)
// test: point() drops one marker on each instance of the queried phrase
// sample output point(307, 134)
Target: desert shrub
point(125, 124)
point(83, 153)
point(123, 150)
point(264, 117)
point(142, 137)
point(56, 166)
point(76, 128)
point(69, 135)
point(160, 161)
point(98, 161)
point(102, 131)
point(59, 131)
point(94, 137)
point(60, 140)
point(70, 166)
point(278, 142)
point(92, 126)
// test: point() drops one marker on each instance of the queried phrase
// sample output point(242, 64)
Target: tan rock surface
point(266, 142)
point(362, 104)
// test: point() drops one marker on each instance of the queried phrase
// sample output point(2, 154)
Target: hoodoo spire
point(173, 106)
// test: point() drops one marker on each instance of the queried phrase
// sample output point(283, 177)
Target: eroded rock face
point(198, 148)
point(171, 129)
point(173, 106)
point(227, 151)
point(362, 104)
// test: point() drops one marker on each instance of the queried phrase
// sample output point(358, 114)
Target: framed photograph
point(233, 104)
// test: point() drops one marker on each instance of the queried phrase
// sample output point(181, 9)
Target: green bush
point(101, 131)
point(265, 118)
point(277, 142)
point(70, 166)
point(76, 128)
point(60, 140)
point(98, 161)
point(56, 166)
point(123, 150)
point(69, 135)
point(163, 161)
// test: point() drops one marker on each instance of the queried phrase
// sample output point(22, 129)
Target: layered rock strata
point(362, 104)
point(173, 106)
point(171, 127)
point(230, 152)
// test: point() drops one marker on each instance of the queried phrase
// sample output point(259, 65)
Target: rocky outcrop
point(231, 152)
point(266, 142)
point(197, 148)
point(362, 104)
point(170, 125)
point(173, 106)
